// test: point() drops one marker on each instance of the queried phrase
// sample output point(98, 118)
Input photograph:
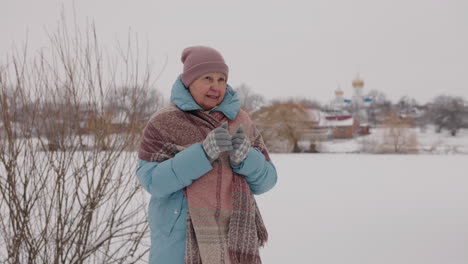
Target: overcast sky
point(283, 48)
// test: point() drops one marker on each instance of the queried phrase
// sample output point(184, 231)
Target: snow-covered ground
point(428, 142)
point(367, 209)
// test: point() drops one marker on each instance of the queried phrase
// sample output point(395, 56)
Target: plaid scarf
point(224, 224)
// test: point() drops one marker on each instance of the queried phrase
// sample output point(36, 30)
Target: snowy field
point(428, 142)
point(367, 209)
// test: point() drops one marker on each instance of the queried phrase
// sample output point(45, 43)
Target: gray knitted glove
point(241, 147)
point(217, 141)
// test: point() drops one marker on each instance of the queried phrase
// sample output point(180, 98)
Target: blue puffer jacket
point(165, 181)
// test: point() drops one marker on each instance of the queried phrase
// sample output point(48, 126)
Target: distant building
point(342, 126)
point(333, 125)
point(346, 118)
point(339, 102)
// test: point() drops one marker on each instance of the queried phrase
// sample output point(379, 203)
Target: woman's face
point(208, 90)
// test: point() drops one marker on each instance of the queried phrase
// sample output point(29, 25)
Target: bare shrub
point(398, 136)
point(369, 145)
point(67, 185)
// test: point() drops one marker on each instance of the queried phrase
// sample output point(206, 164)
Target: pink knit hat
point(199, 60)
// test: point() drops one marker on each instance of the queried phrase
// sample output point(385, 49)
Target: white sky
point(283, 48)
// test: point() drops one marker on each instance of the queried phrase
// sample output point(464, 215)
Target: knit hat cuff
point(196, 71)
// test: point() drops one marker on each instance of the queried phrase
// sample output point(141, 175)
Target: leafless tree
point(283, 121)
point(309, 103)
point(135, 103)
point(447, 113)
point(250, 101)
point(379, 107)
point(68, 193)
point(406, 103)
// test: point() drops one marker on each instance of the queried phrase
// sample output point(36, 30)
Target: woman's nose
point(214, 86)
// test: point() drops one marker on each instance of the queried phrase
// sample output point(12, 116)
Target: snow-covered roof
point(335, 121)
point(331, 119)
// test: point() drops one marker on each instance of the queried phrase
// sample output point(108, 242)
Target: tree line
point(285, 121)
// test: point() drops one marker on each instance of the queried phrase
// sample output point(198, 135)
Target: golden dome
point(338, 92)
point(358, 83)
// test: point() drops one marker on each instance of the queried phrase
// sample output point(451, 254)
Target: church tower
point(358, 101)
point(338, 103)
point(358, 86)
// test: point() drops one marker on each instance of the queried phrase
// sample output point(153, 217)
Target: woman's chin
point(208, 107)
point(209, 104)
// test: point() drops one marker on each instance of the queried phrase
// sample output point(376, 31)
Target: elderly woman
point(202, 159)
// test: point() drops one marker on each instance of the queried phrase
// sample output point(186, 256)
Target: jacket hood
point(180, 95)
